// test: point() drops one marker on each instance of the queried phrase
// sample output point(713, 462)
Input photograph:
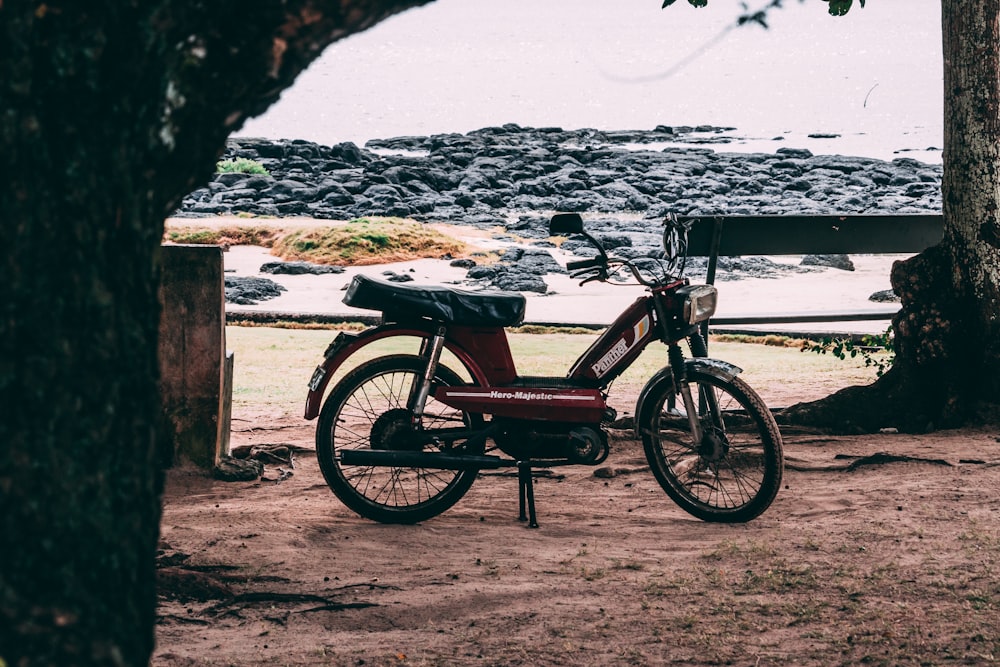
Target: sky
point(872, 77)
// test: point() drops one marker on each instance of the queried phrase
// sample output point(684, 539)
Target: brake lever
point(601, 275)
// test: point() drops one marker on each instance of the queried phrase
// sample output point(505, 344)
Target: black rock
point(512, 281)
point(842, 262)
point(527, 260)
point(795, 152)
point(251, 290)
point(737, 268)
point(299, 268)
point(884, 296)
point(487, 272)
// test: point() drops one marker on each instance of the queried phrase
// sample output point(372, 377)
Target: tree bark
point(110, 112)
point(947, 333)
point(971, 183)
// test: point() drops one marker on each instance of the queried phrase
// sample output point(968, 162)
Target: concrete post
point(195, 369)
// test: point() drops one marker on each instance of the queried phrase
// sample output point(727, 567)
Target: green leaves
point(877, 350)
point(841, 7)
point(836, 8)
point(693, 3)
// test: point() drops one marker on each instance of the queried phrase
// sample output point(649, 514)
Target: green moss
point(240, 165)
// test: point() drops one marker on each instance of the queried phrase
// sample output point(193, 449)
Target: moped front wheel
point(368, 409)
point(734, 472)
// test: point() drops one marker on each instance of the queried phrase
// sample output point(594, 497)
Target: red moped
point(402, 437)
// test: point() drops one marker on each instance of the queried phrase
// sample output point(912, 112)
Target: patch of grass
point(240, 165)
point(302, 325)
point(776, 578)
point(592, 574)
point(618, 564)
point(534, 354)
point(977, 537)
point(767, 339)
point(229, 235)
point(358, 242)
point(751, 551)
point(753, 567)
point(367, 241)
point(547, 329)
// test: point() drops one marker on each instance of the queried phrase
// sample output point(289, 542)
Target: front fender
point(715, 367)
point(346, 344)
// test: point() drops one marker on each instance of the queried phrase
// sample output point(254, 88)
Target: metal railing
point(736, 235)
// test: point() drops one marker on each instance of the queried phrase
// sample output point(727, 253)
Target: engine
point(576, 443)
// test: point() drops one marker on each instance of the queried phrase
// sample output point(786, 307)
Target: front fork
point(681, 386)
point(430, 351)
point(707, 401)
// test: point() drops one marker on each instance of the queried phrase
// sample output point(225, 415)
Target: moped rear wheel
point(734, 473)
point(368, 409)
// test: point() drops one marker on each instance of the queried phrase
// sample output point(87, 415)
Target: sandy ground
point(895, 562)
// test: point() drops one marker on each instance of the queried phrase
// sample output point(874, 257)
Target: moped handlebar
point(670, 265)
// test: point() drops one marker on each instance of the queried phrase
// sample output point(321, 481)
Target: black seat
point(499, 309)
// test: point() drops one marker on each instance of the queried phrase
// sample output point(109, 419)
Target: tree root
point(880, 458)
point(238, 602)
point(183, 584)
point(893, 401)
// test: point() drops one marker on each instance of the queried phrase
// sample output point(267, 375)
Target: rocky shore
point(484, 176)
point(513, 177)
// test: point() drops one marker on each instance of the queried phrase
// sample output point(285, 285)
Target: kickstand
point(526, 490)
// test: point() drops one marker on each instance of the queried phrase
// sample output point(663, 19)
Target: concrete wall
point(195, 369)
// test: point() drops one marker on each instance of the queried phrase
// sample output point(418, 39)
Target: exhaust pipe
point(404, 459)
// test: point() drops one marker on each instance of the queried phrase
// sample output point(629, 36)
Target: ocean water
point(869, 83)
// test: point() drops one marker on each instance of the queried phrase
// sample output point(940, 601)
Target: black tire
point(368, 402)
point(736, 472)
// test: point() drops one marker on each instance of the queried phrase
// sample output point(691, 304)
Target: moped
point(402, 437)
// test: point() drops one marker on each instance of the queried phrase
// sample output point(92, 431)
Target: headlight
point(698, 302)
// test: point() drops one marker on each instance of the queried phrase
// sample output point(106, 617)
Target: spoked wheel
point(368, 409)
point(734, 472)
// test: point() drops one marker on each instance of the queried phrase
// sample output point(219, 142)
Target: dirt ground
point(891, 559)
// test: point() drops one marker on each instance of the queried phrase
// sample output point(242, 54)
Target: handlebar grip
point(584, 264)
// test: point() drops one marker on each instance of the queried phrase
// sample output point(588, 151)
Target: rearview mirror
point(563, 224)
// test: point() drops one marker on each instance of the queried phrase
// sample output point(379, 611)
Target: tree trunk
point(971, 184)
point(947, 333)
point(109, 114)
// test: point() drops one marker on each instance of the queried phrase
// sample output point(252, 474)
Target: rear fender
point(715, 367)
point(347, 344)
